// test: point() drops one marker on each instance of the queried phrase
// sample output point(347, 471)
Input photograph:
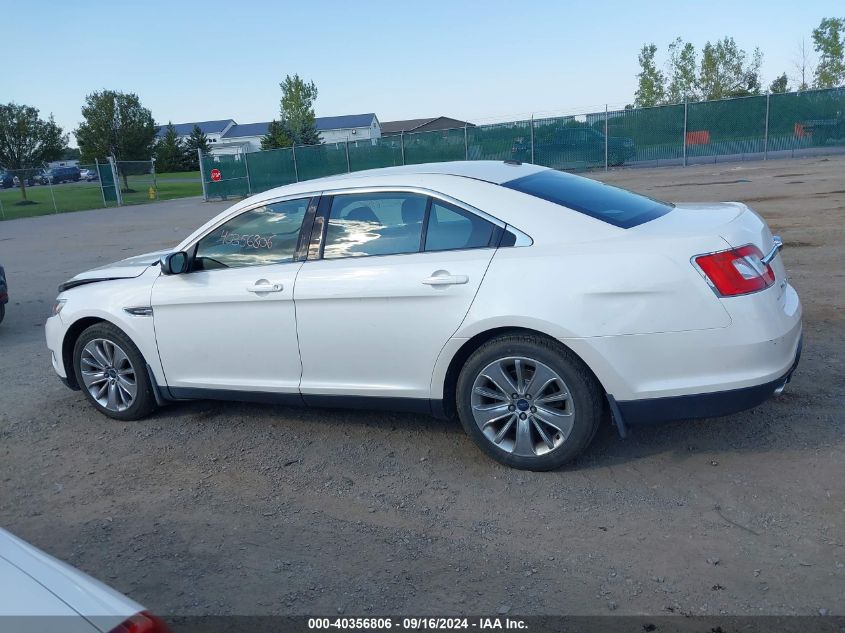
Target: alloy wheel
point(522, 406)
point(108, 374)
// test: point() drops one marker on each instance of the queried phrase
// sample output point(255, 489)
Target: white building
point(227, 137)
point(213, 130)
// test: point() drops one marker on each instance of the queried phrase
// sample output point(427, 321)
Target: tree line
point(116, 124)
point(723, 70)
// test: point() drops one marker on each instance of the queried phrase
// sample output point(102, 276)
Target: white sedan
point(526, 301)
point(40, 593)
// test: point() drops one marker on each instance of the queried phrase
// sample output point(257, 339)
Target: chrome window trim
point(522, 239)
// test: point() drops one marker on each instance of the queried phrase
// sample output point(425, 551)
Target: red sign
point(215, 174)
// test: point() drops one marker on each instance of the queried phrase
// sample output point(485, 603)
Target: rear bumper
point(703, 405)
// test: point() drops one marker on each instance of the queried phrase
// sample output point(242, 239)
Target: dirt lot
point(244, 509)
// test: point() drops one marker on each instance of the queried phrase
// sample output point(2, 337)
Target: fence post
point(766, 133)
point(295, 168)
point(248, 179)
point(348, 167)
point(402, 144)
point(155, 183)
point(686, 103)
point(202, 175)
point(532, 138)
point(52, 195)
point(100, 180)
point(605, 137)
point(466, 142)
point(2, 212)
point(113, 167)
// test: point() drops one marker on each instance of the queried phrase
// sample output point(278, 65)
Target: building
point(432, 124)
point(227, 137)
point(213, 130)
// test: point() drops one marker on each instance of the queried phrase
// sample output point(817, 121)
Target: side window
point(452, 228)
point(374, 224)
point(266, 235)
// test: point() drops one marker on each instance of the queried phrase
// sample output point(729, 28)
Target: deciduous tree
point(650, 90)
point(116, 124)
point(683, 84)
point(828, 43)
point(297, 110)
point(725, 71)
point(780, 84)
point(27, 141)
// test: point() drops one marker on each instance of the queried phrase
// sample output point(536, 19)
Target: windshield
point(613, 205)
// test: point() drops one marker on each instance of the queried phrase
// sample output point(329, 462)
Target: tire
point(2, 312)
point(551, 434)
point(113, 364)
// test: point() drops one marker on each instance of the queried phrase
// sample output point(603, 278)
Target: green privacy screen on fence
point(748, 128)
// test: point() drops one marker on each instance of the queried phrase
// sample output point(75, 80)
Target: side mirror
point(174, 263)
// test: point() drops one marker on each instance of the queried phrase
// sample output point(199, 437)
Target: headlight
point(57, 307)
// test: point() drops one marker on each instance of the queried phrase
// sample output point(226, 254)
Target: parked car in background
point(525, 300)
point(57, 175)
point(7, 179)
point(4, 294)
point(38, 177)
point(88, 175)
point(570, 147)
point(41, 593)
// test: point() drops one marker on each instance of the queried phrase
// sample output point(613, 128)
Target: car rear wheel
point(528, 402)
point(112, 373)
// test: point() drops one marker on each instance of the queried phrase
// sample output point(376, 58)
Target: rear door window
point(451, 228)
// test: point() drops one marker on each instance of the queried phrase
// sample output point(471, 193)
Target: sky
point(479, 61)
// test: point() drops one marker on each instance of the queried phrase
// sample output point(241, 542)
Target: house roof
point(324, 123)
point(344, 121)
point(422, 125)
point(247, 129)
point(207, 127)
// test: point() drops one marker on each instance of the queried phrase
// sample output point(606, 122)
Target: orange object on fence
point(700, 137)
point(799, 130)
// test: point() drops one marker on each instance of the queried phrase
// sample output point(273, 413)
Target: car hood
point(36, 584)
point(124, 269)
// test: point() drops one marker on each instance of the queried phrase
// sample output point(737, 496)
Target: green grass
point(87, 195)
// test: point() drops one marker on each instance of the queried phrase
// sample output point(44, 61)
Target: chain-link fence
point(74, 187)
point(749, 128)
point(41, 190)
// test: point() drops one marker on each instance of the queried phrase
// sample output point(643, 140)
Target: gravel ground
point(218, 508)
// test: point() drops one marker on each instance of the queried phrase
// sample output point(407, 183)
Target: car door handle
point(442, 278)
point(263, 286)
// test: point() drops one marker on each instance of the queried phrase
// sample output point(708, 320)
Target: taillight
point(143, 622)
point(737, 271)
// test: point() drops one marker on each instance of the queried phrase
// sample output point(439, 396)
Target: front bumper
point(703, 405)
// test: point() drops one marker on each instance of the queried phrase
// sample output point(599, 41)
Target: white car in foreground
point(522, 299)
point(40, 593)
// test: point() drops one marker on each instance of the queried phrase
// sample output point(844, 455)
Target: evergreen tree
point(196, 141)
point(276, 137)
point(170, 152)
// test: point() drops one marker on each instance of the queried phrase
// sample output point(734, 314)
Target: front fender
point(107, 301)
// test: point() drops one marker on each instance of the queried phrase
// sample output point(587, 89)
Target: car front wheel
point(112, 373)
point(528, 402)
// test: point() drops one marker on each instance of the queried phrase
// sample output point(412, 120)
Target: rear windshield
point(615, 206)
